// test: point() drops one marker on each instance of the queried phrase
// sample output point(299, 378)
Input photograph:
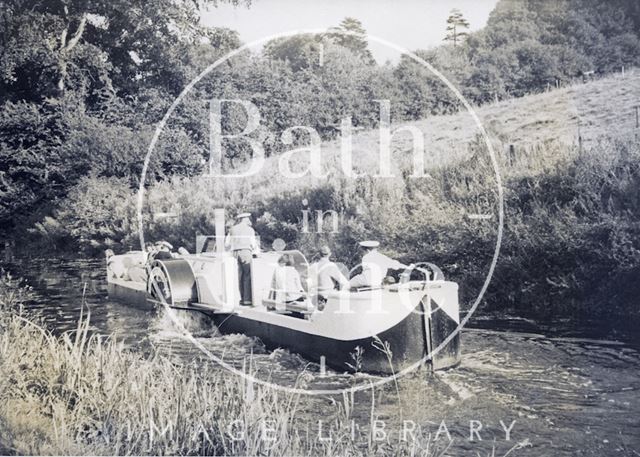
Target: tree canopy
point(84, 82)
point(456, 25)
point(75, 76)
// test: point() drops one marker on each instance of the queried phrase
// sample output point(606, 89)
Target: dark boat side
point(407, 342)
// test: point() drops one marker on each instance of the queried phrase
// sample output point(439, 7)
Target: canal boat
point(381, 329)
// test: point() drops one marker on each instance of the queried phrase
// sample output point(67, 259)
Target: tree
point(299, 51)
point(72, 73)
point(355, 39)
point(455, 22)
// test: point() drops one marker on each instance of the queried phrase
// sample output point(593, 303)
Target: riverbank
point(86, 394)
point(81, 393)
point(569, 247)
point(569, 176)
point(553, 391)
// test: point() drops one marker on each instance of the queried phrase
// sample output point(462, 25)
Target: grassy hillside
point(601, 107)
point(604, 107)
point(591, 110)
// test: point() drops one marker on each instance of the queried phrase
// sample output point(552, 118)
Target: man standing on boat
point(242, 242)
point(375, 266)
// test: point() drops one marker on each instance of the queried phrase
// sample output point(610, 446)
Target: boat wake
point(181, 322)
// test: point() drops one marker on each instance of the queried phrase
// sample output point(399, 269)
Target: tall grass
point(84, 394)
point(81, 393)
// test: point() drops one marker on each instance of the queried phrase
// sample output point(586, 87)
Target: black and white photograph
point(320, 228)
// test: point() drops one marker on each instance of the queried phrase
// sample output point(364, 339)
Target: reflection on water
point(64, 289)
point(568, 396)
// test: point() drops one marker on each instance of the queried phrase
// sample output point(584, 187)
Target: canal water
point(557, 395)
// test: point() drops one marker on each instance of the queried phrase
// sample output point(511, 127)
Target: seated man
point(163, 251)
point(375, 266)
point(136, 271)
point(286, 282)
point(327, 275)
point(115, 266)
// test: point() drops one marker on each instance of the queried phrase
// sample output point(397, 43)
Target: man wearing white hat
point(375, 266)
point(163, 251)
point(242, 242)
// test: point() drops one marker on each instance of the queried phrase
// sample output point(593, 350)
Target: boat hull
point(129, 292)
point(383, 330)
point(400, 347)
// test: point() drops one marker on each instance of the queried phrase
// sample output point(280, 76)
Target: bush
point(570, 241)
point(97, 213)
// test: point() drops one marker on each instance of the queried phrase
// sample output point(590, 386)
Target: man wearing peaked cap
point(375, 266)
point(242, 242)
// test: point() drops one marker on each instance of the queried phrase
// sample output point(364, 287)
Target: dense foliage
point(571, 244)
point(83, 85)
point(529, 46)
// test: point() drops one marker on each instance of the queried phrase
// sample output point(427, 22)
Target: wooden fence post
point(579, 140)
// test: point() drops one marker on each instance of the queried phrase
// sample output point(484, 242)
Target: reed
point(83, 393)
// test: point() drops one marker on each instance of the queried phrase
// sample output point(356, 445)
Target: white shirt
point(287, 284)
point(325, 272)
point(374, 269)
point(382, 261)
point(241, 236)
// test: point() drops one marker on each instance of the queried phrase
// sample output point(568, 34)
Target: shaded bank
point(571, 245)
